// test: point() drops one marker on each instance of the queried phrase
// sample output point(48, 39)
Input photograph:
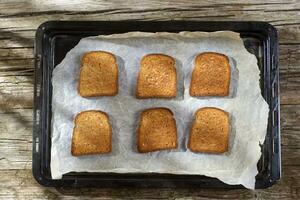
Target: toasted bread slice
point(211, 75)
point(157, 77)
point(92, 133)
point(210, 131)
point(157, 130)
point(98, 75)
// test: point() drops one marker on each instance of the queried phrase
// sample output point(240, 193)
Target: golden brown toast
point(92, 133)
point(157, 77)
point(211, 75)
point(157, 130)
point(210, 131)
point(98, 75)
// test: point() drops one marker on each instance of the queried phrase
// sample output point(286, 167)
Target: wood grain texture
point(18, 22)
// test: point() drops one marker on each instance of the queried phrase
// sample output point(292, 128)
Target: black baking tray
point(55, 38)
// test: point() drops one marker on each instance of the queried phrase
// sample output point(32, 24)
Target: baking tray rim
point(46, 27)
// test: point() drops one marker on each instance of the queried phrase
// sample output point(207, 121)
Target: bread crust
point(157, 77)
point(92, 133)
point(98, 74)
point(210, 131)
point(211, 75)
point(157, 130)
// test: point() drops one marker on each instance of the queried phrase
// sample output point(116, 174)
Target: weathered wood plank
point(21, 63)
point(15, 53)
point(288, 29)
point(18, 90)
point(286, 18)
point(290, 116)
point(289, 65)
point(16, 138)
point(90, 5)
point(19, 183)
point(17, 37)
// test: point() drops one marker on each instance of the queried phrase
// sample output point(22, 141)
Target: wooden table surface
point(18, 22)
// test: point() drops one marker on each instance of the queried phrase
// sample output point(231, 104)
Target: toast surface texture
point(157, 77)
point(157, 130)
point(211, 75)
point(98, 74)
point(92, 133)
point(210, 131)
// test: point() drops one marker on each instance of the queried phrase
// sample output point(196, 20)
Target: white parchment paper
point(247, 108)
